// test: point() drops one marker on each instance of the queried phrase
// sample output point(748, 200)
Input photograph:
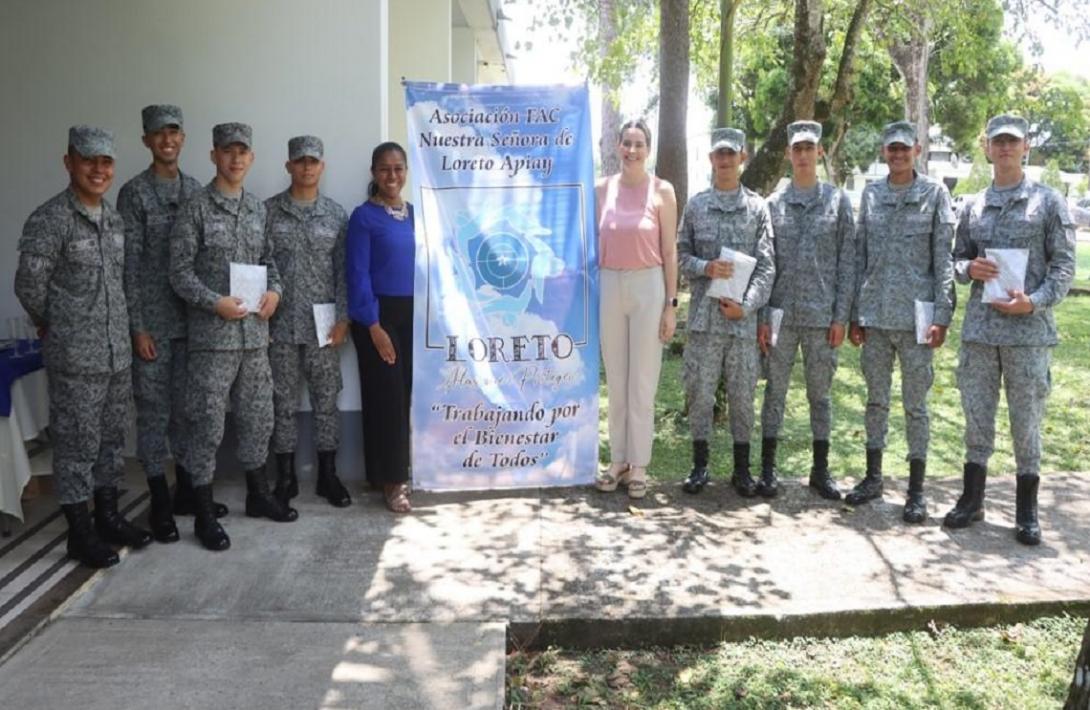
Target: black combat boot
point(183, 495)
point(768, 486)
point(915, 505)
point(260, 503)
point(970, 506)
point(698, 477)
point(205, 525)
point(871, 485)
point(287, 485)
point(163, 527)
point(329, 486)
point(111, 526)
point(84, 544)
point(741, 479)
point(1027, 530)
point(820, 480)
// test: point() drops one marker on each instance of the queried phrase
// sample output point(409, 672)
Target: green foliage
point(971, 71)
point(980, 175)
point(1051, 176)
point(858, 149)
point(1058, 111)
point(1082, 187)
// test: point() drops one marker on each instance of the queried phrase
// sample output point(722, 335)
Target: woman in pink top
point(637, 247)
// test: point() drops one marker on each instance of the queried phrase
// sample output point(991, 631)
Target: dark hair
point(376, 155)
point(635, 123)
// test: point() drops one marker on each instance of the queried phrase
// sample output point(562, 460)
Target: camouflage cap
point(90, 141)
point(224, 134)
point(728, 138)
point(901, 132)
point(157, 116)
point(305, 147)
point(800, 131)
point(1007, 124)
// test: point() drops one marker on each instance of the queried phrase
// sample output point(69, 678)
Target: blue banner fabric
point(505, 343)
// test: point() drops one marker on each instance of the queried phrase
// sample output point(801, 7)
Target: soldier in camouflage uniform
point(221, 225)
point(69, 280)
point(903, 241)
point(307, 231)
point(722, 333)
point(149, 203)
point(814, 237)
point(1010, 340)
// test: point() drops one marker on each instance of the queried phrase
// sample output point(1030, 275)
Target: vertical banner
point(505, 342)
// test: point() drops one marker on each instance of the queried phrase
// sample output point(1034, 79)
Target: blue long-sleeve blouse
point(380, 256)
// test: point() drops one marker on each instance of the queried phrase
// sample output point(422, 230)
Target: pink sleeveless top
point(628, 231)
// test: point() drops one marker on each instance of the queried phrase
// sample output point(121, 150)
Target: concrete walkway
point(358, 608)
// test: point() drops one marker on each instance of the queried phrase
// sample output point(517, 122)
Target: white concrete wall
point(285, 67)
point(463, 56)
point(420, 50)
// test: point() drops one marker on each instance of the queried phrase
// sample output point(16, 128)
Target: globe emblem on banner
point(502, 261)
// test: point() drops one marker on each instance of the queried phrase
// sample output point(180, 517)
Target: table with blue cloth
point(24, 413)
point(11, 369)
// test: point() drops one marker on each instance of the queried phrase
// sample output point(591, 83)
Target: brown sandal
point(397, 498)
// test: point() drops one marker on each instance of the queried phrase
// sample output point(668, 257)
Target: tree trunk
point(765, 168)
point(833, 112)
point(1078, 695)
point(912, 57)
point(728, 10)
point(611, 117)
point(671, 161)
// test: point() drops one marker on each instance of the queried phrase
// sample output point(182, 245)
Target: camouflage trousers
point(215, 377)
point(1024, 371)
point(819, 366)
point(709, 356)
point(88, 418)
point(916, 378)
point(159, 390)
point(321, 368)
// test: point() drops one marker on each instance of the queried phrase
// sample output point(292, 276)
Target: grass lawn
point(1017, 667)
point(1066, 446)
point(1082, 265)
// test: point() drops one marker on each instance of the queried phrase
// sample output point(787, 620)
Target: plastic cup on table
point(32, 335)
point(15, 333)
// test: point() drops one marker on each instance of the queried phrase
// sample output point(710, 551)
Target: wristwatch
point(672, 302)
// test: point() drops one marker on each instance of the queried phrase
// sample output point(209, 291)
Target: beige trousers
point(630, 309)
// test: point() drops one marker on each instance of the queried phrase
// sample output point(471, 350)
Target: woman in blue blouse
point(380, 262)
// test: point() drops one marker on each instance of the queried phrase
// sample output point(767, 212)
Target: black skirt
point(386, 392)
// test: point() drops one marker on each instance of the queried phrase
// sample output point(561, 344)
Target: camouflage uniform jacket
point(154, 308)
point(211, 233)
point(738, 220)
point(308, 245)
point(902, 248)
point(70, 280)
point(1032, 217)
point(814, 239)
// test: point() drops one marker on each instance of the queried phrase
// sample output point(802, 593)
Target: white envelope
point(925, 317)
point(733, 288)
point(325, 317)
point(249, 282)
point(1012, 274)
point(775, 318)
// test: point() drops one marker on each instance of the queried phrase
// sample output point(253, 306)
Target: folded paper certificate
point(325, 317)
point(1012, 274)
point(925, 316)
point(733, 288)
point(775, 319)
point(249, 282)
